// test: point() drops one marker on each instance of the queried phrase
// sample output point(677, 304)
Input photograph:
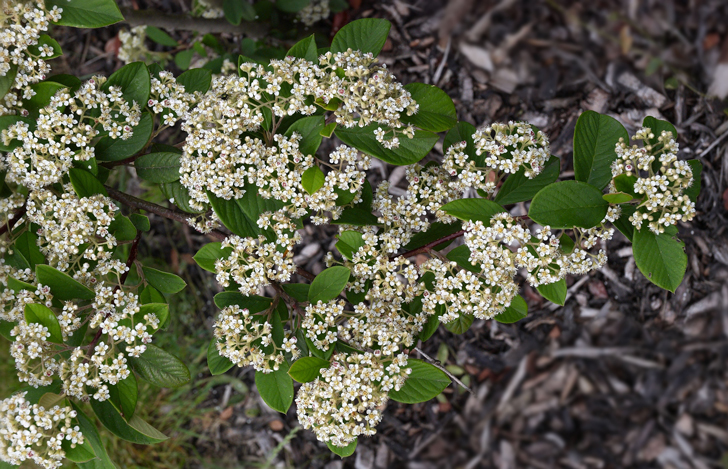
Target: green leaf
point(694, 189)
point(307, 369)
point(160, 37)
point(134, 81)
point(46, 40)
point(253, 303)
point(461, 255)
point(291, 6)
point(161, 368)
point(85, 184)
point(209, 253)
point(343, 451)
point(215, 362)
point(595, 137)
point(237, 10)
point(463, 132)
point(349, 243)
point(472, 209)
point(86, 13)
point(623, 224)
point(297, 291)
point(17, 286)
point(7, 81)
point(140, 221)
point(661, 258)
point(44, 91)
point(158, 167)
point(122, 228)
point(63, 287)
point(328, 130)
point(135, 430)
point(27, 246)
point(328, 284)
point(425, 382)
point(365, 35)
point(624, 183)
point(436, 110)
point(158, 307)
point(5, 328)
point(276, 388)
point(109, 149)
point(124, 396)
point(183, 58)
point(197, 79)
point(554, 292)
point(163, 281)
point(151, 295)
point(178, 195)
point(567, 204)
point(617, 197)
point(515, 312)
point(309, 128)
point(91, 434)
point(78, 453)
point(658, 126)
point(518, 188)
point(410, 151)
point(305, 49)
point(241, 215)
point(41, 314)
point(461, 324)
point(313, 179)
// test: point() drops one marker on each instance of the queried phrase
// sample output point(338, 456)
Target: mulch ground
point(625, 374)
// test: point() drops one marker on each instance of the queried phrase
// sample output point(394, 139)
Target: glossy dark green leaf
point(425, 382)
point(276, 388)
point(328, 284)
point(165, 282)
point(307, 369)
point(62, 286)
point(161, 368)
point(567, 204)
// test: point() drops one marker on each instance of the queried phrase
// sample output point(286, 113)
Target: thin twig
point(436, 364)
point(12, 221)
point(176, 22)
point(429, 246)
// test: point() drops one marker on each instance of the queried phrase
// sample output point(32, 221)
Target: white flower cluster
point(132, 48)
point(346, 175)
point(314, 12)
point(64, 132)
point(32, 432)
point(218, 156)
point(429, 188)
point(21, 54)
point(207, 9)
point(169, 99)
point(663, 187)
point(67, 223)
point(255, 263)
point(346, 400)
point(507, 148)
point(249, 339)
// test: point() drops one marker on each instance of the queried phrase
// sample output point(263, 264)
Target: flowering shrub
point(249, 174)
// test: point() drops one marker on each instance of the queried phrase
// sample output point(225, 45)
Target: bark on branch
point(181, 22)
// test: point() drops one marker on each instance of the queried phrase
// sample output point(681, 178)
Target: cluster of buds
point(661, 180)
point(314, 12)
point(32, 432)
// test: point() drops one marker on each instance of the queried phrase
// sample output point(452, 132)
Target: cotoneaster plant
point(80, 313)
